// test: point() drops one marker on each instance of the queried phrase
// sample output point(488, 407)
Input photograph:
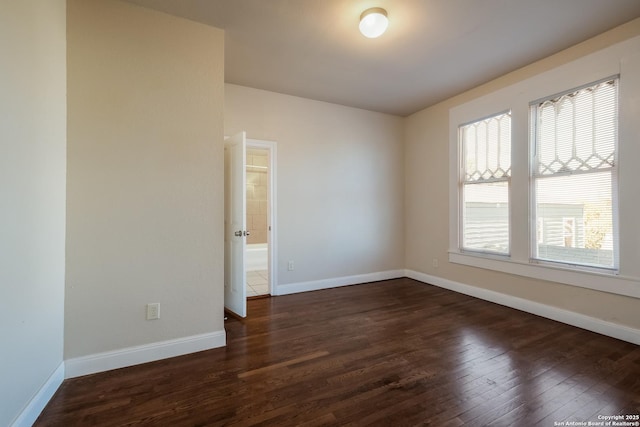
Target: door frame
point(272, 239)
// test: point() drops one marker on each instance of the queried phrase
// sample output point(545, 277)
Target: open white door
point(235, 288)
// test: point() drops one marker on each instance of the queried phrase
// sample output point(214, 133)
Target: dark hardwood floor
point(390, 353)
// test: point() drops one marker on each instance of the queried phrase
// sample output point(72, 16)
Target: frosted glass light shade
point(373, 22)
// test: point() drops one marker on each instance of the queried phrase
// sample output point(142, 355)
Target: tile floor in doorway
point(257, 283)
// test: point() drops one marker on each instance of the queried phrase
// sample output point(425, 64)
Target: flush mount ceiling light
point(373, 22)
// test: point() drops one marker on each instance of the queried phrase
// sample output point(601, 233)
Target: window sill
point(600, 281)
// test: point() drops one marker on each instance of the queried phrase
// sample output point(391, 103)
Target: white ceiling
point(433, 49)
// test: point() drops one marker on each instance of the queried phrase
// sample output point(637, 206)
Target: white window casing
point(623, 278)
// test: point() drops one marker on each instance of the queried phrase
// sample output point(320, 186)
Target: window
point(486, 171)
point(571, 190)
point(574, 176)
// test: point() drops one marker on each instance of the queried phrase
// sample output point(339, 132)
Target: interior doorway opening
point(257, 249)
point(259, 218)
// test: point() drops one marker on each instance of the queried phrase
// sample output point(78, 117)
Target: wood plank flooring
point(392, 353)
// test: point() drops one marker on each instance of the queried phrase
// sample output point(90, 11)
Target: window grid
point(483, 161)
point(592, 132)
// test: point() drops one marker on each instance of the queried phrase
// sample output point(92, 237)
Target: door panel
point(235, 290)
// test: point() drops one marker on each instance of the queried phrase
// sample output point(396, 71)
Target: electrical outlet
point(435, 262)
point(153, 311)
point(290, 266)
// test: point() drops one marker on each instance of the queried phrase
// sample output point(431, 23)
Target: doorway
point(260, 190)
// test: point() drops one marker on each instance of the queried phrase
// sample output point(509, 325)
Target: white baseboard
point(316, 285)
point(33, 409)
point(589, 323)
point(130, 356)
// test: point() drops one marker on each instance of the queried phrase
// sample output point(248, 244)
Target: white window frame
point(620, 59)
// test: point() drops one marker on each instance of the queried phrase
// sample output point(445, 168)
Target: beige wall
point(339, 182)
point(427, 201)
point(145, 177)
point(144, 190)
point(32, 210)
point(257, 192)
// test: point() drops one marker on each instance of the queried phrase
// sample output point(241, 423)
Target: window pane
point(577, 131)
point(486, 147)
point(574, 219)
point(486, 217)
